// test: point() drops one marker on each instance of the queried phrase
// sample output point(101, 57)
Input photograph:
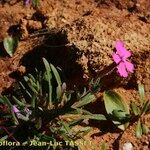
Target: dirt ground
point(80, 39)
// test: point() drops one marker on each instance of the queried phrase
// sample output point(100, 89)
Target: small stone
point(127, 146)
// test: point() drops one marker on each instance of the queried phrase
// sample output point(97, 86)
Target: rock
point(127, 146)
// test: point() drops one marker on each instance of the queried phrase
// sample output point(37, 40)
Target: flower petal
point(121, 50)
point(129, 66)
point(122, 69)
point(127, 54)
point(119, 44)
point(15, 109)
point(116, 58)
point(27, 111)
point(27, 2)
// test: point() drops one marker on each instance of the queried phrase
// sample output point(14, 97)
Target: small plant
point(43, 110)
point(117, 109)
point(119, 113)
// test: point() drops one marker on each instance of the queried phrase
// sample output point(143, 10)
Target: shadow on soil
point(57, 52)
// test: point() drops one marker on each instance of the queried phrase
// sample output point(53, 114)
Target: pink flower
point(15, 109)
point(23, 114)
point(27, 2)
point(121, 59)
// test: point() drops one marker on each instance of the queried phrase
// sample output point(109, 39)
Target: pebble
point(127, 146)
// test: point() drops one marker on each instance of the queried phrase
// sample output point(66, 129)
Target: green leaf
point(2, 100)
point(145, 129)
point(95, 147)
point(48, 78)
point(44, 137)
point(135, 109)
point(31, 77)
point(113, 101)
point(58, 80)
point(24, 88)
point(10, 45)
point(38, 124)
point(84, 131)
point(138, 130)
point(120, 115)
point(93, 117)
point(21, 104)
point(59, 92)
point(56, 74)
point(35, 3)
point(65, 127)
point(6, 100)
point(33, 101)
point(85, 100)
point(146, 107)
point(74, 122)
point(32, 83)
point(141, 92)
point(81, 111)
point(104, 146)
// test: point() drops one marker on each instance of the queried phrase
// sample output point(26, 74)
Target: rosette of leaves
point(55, 109)
point(118, 111)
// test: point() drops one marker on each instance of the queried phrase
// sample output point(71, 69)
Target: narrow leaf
point(146, 107)
point(145, 129)
point(18, 102)
point(49, 76)
point(66, 127)
point(58, 80)
point(135, 109)
point(2, 100)
point(24, 88)
point(38, 124)
point(56, 74)
point(141, 92)
point(44, 137)
point(138, 130)
point(75, 122)
point(82, 111)
point(84, 131)
point(85, 100)
point(6, 100)
point(33, 101)
point(31, 77)
point(59, 92)
point(93, 117)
